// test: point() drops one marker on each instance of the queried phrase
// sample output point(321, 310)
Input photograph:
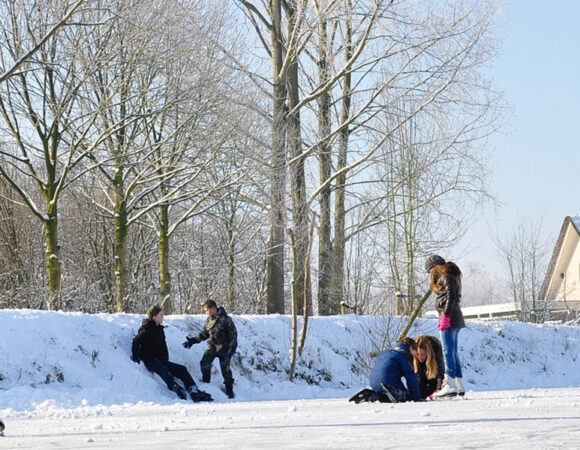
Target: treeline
point(300, 155)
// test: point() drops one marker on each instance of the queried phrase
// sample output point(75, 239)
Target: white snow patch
point(67, 378)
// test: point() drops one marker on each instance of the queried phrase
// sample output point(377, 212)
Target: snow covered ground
point(515, 419)
point(66, 381)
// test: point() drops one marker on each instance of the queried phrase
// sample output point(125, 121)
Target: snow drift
point(74, 359)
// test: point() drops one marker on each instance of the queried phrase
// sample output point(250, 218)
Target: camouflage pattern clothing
point(222, 341)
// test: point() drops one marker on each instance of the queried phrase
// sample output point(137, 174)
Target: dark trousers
point(168, 371)
point(206, 361)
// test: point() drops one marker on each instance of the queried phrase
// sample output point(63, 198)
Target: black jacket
point(446, 284)
point(430, 385)
point(149, 343)
point(220, 332)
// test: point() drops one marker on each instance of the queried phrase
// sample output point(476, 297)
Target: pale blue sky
point(536, 166)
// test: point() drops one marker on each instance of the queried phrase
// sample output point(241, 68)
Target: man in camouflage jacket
point(222, 341)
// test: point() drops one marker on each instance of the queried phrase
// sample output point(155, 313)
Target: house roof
point(574, 221)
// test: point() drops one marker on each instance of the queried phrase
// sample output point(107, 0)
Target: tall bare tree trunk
point(164, 273)
point(339, 244)
point(50, 223)
point(325, 304)
point(306, 301)
point(120, 252)
point(231, 245)
point(294, 322)
point(410, 243)
point(120, 213)
point(53, 264)
point(275, 256)
point(300, 210)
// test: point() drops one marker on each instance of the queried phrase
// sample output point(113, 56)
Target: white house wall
point(568, 288)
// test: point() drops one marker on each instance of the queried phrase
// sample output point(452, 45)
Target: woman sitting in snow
point(428, 364)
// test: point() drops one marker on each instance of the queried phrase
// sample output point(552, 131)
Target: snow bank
point(71, 359)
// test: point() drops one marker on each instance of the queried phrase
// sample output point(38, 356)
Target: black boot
point(179, 391)
point(199, 396)
point(364, 395)
point(230, 390)
point(205, 378)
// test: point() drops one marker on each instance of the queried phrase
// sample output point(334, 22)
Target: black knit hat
point(153, 310)
point(432, 261)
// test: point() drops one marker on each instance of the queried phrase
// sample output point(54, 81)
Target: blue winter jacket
point(389, 369)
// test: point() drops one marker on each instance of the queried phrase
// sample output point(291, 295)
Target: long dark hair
point(442, 271)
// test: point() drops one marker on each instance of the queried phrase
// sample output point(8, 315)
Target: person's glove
point(231, 353)
point(135, 359)
point(189, 342)
point(444, 323)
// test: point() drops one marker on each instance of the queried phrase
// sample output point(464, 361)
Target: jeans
point(450, 353)
point(168, 370)
point(401, 395)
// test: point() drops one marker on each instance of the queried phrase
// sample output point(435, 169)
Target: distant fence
point(494, 311)
point(563, 310)
point(544, 311)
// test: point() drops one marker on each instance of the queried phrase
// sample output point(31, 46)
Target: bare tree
point(284, 23)
point(238, 218)
point(163, 87)
point(117, 89)
point(20, 60)
point(525, 253)
point(88, 281)
point(196, 154)
point(20, 252)
point(324, 153)
point(40, 114)
point(426, 121)
point(368, 123)
point(369, 59)
point(338, 245)
point(481, 286)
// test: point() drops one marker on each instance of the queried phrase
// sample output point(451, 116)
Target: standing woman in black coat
point(445, 283)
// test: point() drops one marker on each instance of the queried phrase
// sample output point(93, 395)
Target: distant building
point(561, 286)
point(562, 280)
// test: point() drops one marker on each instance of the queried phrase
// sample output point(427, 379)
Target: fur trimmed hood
point(449, 269)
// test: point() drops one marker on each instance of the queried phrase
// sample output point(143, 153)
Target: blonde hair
point(424, 343)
